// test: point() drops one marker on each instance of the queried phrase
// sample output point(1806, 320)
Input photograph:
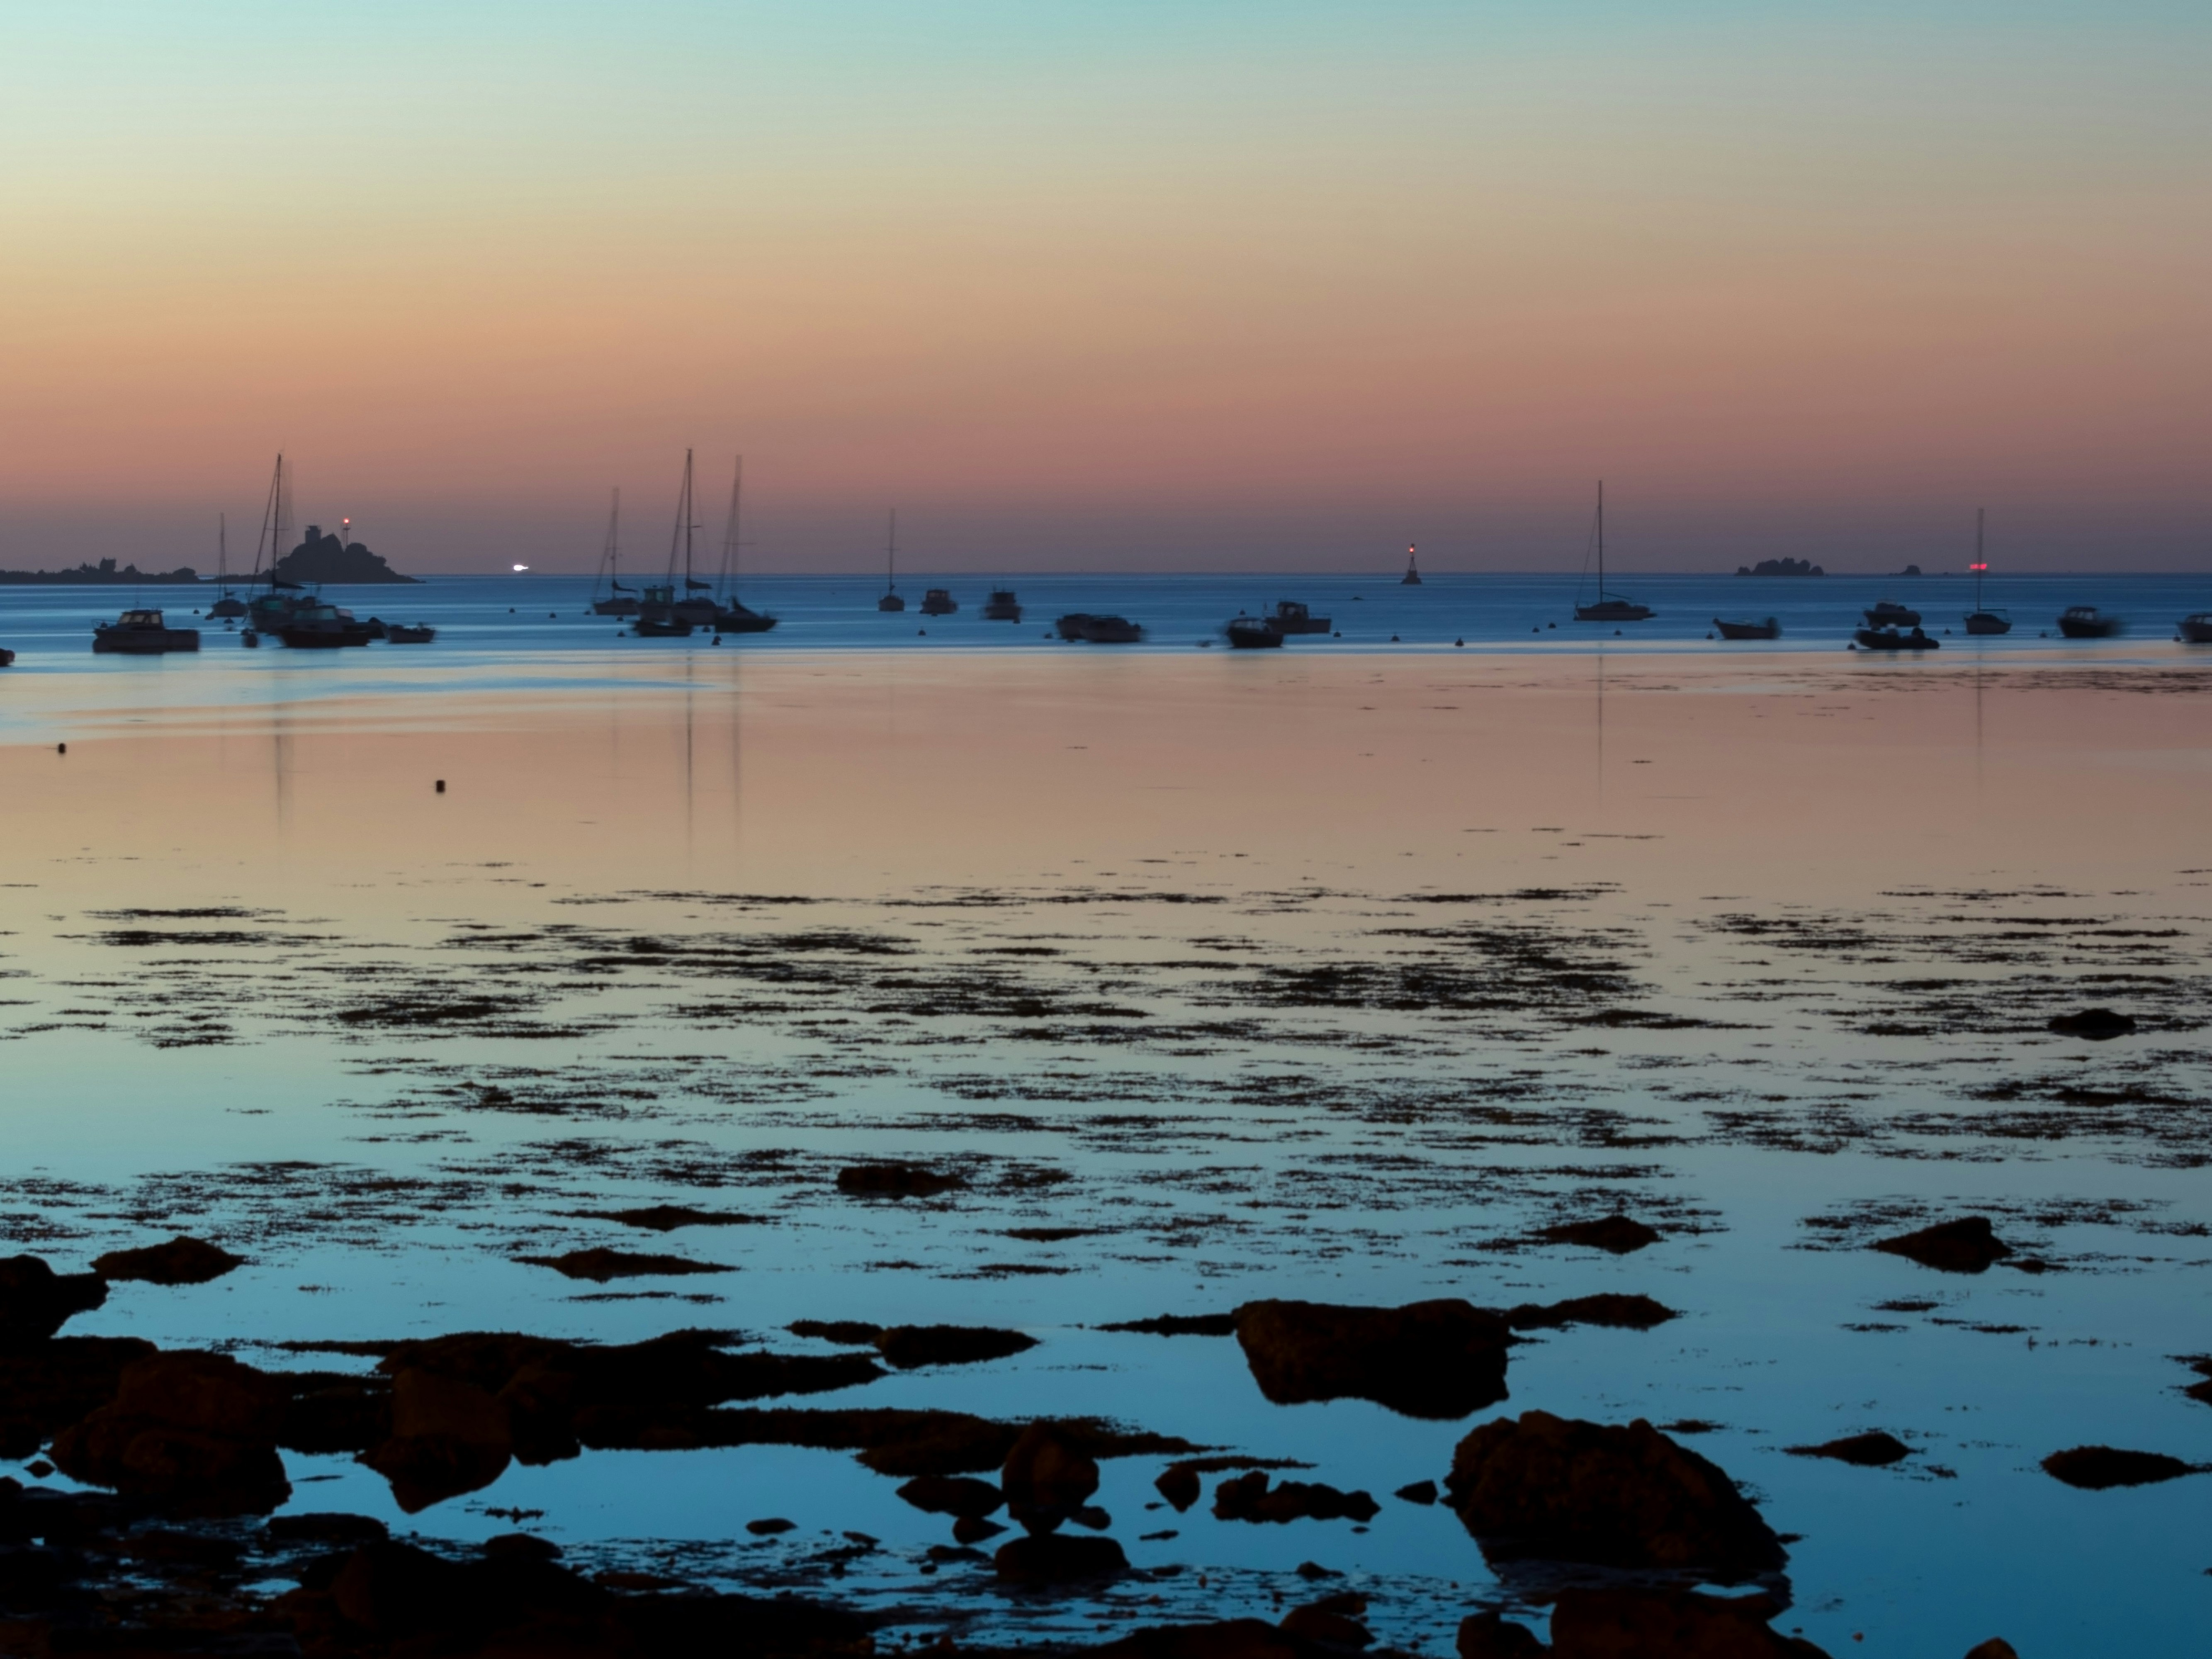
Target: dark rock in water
point(1054, 1558)
point(1439, 1359)
point(2098, 1024)
point(1995, 1648)
point(1328, 1626)
point(394, 1590)
point(1967, 1245)
point(196, 1433)
point(1047, 1478)
point(952, 1494)
point(47, 1386)
point(35, 1300)
point(180, 1261)
point(331, 1412)
point(974, 1529)
point(1421, 1491)
point(770, 1526)
point(907, 1346)
point(521, 1546)
point(1633, 1313)
point(1556, 1488)
point(449, 1437)
point(1231, 1638)
point(1178, 1483)
point(1249, 1498)
point(1617, 1233)
point(1651, 1624)
point(2199, 1391)
point(2097, 1467)
point(321, 1529)
point(1492, 1636)
point(601, 1264)
point(853, 1332)
point(322, 558)
point(1179, 1325)
point(1873, 1450)
point(896, 1181)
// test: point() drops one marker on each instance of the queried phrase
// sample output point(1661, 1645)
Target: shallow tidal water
point(1324, 976)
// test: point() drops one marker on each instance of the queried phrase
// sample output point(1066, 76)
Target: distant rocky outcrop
point(103, 574)
point(1781, 567)
point(325, 558)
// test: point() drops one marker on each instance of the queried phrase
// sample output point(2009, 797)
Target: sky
point(1136, 284)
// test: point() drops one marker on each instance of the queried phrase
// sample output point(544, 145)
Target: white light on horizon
point(522, 566)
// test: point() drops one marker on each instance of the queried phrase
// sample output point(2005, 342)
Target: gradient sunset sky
point(1133, 284)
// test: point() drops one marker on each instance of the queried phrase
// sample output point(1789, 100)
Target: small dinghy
point(400, 634)
point(1889, 639)
point(1255, 634)
point(1002, 606)
point(1769, 629)
point(2197, 629)
point(2086, 621)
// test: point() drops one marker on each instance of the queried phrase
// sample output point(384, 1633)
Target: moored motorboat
point(1888, 613)
point(143, 634)
point(1988, 622)
point(1769, 629)
point(1110, 630)
point(1002, 606)
point(737, 619)
point(1071, 625)
point(1254, 632)
point(317, 626)
point(1890, 638)
point(938, 602)
point(400, 634)
point(2197, 629)
point(1291, 617)
point(2086, 621)
point(6, 657)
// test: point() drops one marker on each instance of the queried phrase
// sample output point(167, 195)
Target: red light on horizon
point(1977, 566)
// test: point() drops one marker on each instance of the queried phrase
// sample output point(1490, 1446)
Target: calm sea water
point(1260, 968)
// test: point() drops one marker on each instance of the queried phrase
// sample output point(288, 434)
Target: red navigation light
point(1977, 566)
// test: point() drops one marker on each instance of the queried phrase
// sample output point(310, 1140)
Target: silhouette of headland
point(97, 575)
point(1781, 568)
point(322, 558)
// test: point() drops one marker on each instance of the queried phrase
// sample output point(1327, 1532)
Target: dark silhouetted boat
point(938, 602)
point(1071, 625)
point(890, 600)
point(1291, 617)
point(1110, 630)
point(2197, 629)
point(619, 601)
point(657, 619)
point(316, 625)
point(1981, 620)
point(1002, 606)
point(2086, 621)
point(143, 634)
point(1609, 607)
point(731, 615)
point(1412, 576)
point(1769, 629)
point(400, 634)
point(228, 607)
point(1890, 638)
point(6, 657)
point(1255, 634)
point(1888, 613)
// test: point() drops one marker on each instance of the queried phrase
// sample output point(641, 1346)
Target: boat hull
point(2076, 627)
point(1769, 629)
point(1111, 630)
point(1614, 610)
point(1254, 637)
point(742, 621)
point(1988, 622)
point(1888, 638)
point(614, 607)
point(2197, 630)
point(890, 602)
point(158, 642)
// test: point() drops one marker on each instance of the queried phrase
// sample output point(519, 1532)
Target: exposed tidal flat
point(1197, 983)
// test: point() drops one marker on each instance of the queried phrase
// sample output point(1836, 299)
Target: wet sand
point(1212, 980)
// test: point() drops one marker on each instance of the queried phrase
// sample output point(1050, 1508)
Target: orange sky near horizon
point(1113, 286)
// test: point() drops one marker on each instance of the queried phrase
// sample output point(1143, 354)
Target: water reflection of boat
point(1002, 606)
point(2197, 629)
point(1889, 639)
point(2086, 621)
point(938, 602)
point(1888, 613)
point(619, 600)
point(143, 634)
point(1291, 617)
point(1609, 607)
point(1255, 634)
point(1769, 629)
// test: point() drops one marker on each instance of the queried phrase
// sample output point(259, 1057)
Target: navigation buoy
point(441, 786)
point(61, 748)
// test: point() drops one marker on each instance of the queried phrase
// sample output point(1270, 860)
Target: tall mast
point(890, 556)
point(682, 533)
point(1601, 539)
point(1980, 564)
point(221, 554)
point(729, 536)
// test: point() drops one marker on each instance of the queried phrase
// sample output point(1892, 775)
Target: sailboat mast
point(1981, 564)
point(730, 540)
point(221, 554)
point(1601, 540)
point(890, 556)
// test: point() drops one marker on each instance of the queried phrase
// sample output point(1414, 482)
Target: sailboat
point(662, 614)
point(1980, 620)
point(269, 613)
point(229, 607)
point(1412, 576)
point(1612, 608)
point(619, 601)
point(733, 617)
point(890, 600)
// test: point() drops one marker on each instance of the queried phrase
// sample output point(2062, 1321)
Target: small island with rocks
point(1781, 568)
point(327, 558)
point(103, 574)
